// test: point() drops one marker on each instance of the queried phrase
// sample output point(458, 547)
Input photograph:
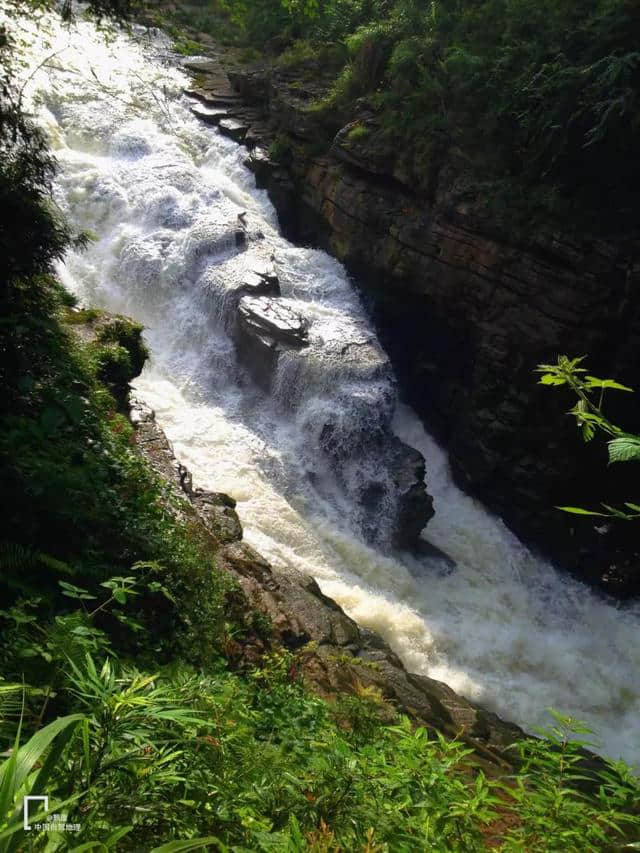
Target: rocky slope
point(335, 654)
point(465, 307)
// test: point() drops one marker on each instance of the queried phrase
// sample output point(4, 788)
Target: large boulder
point(264, 328)
point(233, 128)
point(414, 504)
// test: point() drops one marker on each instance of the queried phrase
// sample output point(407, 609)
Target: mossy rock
point(115, 347)
point(114, 368)
point(127, 334)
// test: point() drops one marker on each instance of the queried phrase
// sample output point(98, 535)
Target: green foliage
point(561, 802)
point(73, 483)
point(260, 764)
point(127, 334)
point(544, 96)
point(591, 419)
point(280, 149)
point(23, 774)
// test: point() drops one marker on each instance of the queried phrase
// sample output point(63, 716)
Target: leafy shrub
point(545, 95)
point(280, 149)
point(259, 764)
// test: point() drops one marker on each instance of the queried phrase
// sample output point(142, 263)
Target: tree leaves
point(594, 382)
point(624, 449)
point(578, 510)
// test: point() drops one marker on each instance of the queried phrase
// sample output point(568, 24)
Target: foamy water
point(161, 194)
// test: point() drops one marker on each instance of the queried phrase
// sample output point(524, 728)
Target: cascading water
point(162, 194)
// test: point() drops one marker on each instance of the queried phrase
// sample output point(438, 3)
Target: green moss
point(280, 149)
point(114, 368)
point(358, 133)
point(187, 47)
point(80, 316)
point(127, 334)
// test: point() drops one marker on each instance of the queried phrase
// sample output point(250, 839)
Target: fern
point(16, 558)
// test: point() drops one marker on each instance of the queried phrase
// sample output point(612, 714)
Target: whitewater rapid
point(160, 191)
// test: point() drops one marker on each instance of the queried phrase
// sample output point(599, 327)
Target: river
point(161, 194)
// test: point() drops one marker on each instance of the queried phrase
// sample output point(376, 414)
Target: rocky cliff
point(466, 306)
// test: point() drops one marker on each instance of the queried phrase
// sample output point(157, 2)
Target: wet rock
point(218, 514)
point(255, 135)
point(260, 163)
point(213, 237)
point(251, 84)
point(233, 128)
point(209, 115)
point(255, 284)
point(266, 271)
point(414, 505)
point(201, 64)
point(275, 319)
point(213, 97)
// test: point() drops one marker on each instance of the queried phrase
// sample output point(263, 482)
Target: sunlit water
point(161, 194)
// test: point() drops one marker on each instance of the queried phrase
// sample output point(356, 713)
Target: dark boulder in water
point(414, 505)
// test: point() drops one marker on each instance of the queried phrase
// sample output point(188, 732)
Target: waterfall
point(309, 459)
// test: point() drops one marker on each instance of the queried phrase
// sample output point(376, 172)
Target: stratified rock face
point(466, 311)
point(265, 327)
point(466, 318)
point(210, 115)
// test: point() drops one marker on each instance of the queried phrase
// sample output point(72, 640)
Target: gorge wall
point(466, 307)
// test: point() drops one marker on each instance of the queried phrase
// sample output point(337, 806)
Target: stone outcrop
point(466, 306)
point(415, 505)
point(209, 115)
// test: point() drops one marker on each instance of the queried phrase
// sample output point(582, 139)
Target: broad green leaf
point(624, 449)
point(578, 510)
point(552, 379)
point(30, 753)
point(8, 775)
point(594, 382)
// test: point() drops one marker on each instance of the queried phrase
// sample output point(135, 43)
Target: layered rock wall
point(467, 308)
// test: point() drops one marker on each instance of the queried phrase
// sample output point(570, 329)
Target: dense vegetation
point(539, 97)
point(118, 698)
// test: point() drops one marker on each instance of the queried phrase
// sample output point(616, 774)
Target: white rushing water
point(161, 192)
